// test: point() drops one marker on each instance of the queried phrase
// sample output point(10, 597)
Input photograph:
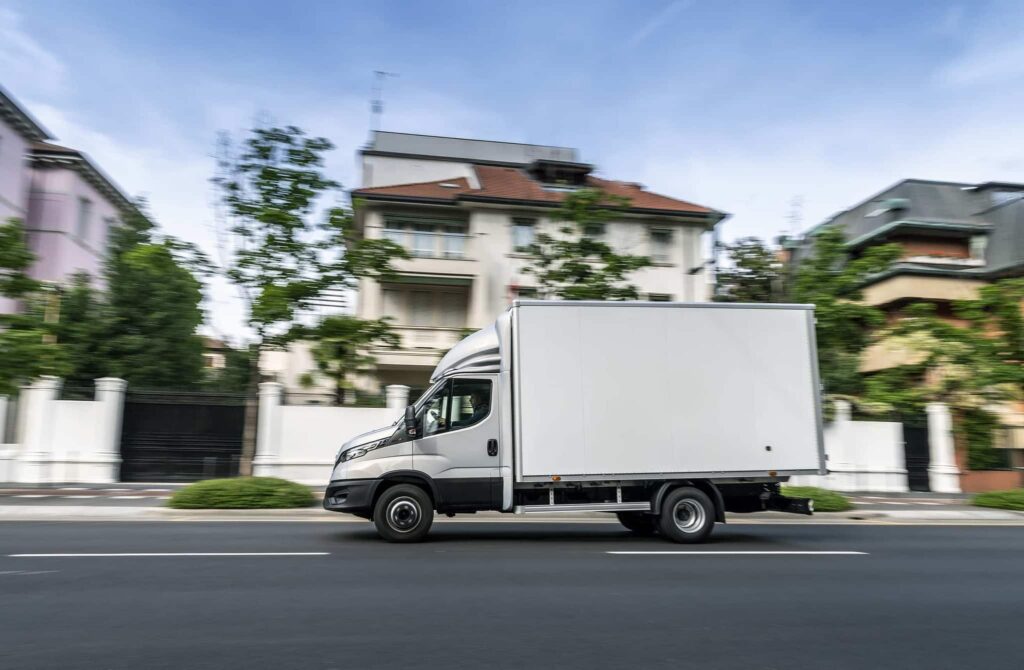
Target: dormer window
point(560, 175)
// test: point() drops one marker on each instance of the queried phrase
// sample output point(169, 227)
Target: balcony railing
point(428, 337)
point(429, 244)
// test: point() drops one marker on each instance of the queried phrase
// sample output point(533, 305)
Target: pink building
point(67, 203)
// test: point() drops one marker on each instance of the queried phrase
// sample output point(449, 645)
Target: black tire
point(687, 515)
point(638, 522)
point(403, 513)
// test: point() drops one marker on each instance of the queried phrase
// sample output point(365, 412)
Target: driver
point(480, 401)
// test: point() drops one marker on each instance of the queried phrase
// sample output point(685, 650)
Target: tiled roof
point(515, 185)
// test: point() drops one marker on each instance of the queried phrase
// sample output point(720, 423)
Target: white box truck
point(668, 415)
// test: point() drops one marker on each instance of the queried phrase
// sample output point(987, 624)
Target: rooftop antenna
point(376, 103)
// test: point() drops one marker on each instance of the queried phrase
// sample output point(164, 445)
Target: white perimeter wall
point(299, 442)
point(862, 456)
point(63, 441)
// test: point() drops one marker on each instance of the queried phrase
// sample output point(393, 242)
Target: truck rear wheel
point(638, 522)
point(687, 515)
point(403, 513)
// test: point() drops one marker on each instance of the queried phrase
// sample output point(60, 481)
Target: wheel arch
point(390, 479)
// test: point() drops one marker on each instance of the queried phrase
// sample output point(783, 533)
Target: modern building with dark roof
point(955, 236)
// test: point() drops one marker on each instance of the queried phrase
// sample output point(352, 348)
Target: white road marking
point(158, 490)
point(27, 572)
point(78, 497)
point(127, 497)
point(738, 553)
point(160, 554)
point(32, 495)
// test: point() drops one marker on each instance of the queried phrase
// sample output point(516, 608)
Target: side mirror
point(410, 421)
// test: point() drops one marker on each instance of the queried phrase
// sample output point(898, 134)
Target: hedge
point(1011, 499)
point(243, 493)
point(824, 500)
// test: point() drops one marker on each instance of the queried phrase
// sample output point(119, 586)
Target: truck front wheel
point(403, 513)
point(687, 515)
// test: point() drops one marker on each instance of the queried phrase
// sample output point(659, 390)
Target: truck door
point(458, 443)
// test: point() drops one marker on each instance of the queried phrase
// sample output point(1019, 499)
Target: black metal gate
point(917, 454)
point(181, 437)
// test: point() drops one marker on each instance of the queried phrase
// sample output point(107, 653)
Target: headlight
point(360, 450)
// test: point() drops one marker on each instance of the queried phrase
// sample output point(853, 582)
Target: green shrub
point(1012, 499)
point(243, 493)
point(824, 500)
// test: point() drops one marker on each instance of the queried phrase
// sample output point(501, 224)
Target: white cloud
point(26, 65)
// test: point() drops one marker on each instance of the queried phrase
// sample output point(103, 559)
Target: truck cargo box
point(634, 390)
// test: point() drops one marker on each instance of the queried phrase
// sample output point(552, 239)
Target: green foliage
point(967, 367)
point(342, 344)
point(754, 273)
point(831, 280)
point(233, 377)
point(575, 265)
point(283, 260)
point(824, 500)
point(1011, 499)
point(243, 493)
point(27, 348)
point(142, 328)
point(976, 428)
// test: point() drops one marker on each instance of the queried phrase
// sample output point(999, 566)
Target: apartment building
point(467, 209)
point(67, 203)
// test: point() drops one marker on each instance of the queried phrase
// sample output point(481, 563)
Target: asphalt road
point(509, 595)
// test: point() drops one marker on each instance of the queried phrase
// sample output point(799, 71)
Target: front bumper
point(353, 496)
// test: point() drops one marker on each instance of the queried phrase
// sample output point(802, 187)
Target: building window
point(978, 247)
point(84, 214)
point(659, 297)
point(425, 238)
point(522, 234)
point(425, 307)
point(594, 230)
point(661, 245)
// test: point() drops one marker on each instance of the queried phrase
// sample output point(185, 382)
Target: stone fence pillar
point(397, 396)
point(3, 419)
point(266, 462)
point(37, 431)
point(943, 474)
point(110, 393)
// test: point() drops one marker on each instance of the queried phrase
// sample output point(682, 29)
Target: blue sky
point(743, 106)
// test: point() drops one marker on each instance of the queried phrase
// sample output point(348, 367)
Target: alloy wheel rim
point(689, 515)
point(403, 514)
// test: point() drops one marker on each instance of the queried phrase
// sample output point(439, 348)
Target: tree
point(832, 281)
point(972, 368)
point(283, 260)
point(342, 345)
point(142, 328)
point(755, 273)
point(576, 264)
point(233, 377)
point(27, 349)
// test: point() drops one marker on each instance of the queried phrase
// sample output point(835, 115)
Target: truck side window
point(435, 411)
point(471, 402)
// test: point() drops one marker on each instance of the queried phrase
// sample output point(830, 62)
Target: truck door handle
point(492, 447)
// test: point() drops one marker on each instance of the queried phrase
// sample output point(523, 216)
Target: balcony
point(421, 346)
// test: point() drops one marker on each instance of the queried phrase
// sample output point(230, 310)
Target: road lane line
point(738, 553)
point(32, 495)
point(184, 553)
